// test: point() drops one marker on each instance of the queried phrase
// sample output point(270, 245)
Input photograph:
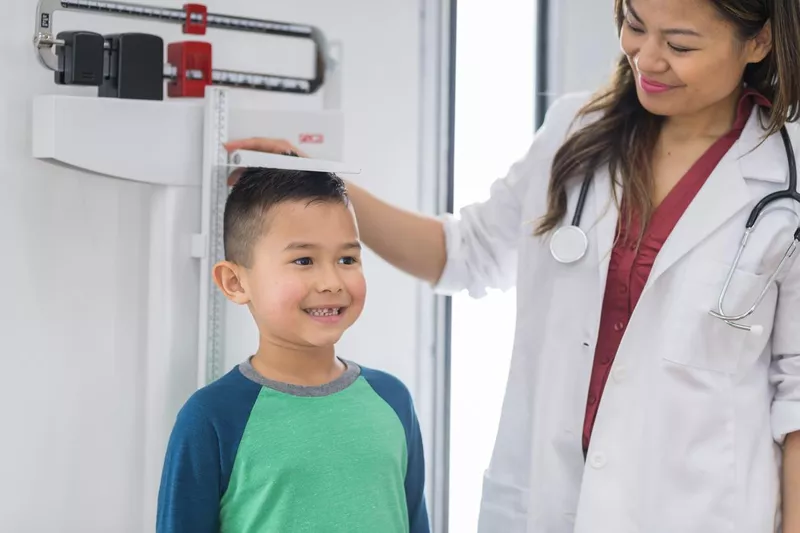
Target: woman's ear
point(761, 44)
point(228, 277)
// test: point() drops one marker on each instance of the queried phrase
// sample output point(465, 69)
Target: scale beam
point(195, 20)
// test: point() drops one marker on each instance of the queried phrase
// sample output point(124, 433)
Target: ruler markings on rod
point(219, 194)
point(211, 318)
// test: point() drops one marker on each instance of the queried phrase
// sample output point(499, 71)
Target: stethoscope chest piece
point(568, 244)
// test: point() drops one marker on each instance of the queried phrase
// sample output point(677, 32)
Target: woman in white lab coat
point(629, 408)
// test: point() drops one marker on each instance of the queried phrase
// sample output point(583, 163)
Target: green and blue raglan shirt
point(250, 455)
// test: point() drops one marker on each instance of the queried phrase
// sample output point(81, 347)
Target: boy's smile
point(326, 314)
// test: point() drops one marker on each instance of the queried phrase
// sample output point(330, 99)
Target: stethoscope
point(569, 243)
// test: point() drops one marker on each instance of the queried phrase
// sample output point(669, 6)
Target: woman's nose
point(648, 58)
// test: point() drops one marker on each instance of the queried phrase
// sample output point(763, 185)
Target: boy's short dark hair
point(258, 190)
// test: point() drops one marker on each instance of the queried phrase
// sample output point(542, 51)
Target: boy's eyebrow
point(310, 246)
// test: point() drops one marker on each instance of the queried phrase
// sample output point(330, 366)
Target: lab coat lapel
point(724, 194)
point(721, 197)
point(606, 217)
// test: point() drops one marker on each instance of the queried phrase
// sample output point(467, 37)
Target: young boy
point(294, 439)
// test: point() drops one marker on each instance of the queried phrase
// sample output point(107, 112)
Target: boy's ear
point(228, 277)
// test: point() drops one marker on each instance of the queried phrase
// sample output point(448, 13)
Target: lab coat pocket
point(697, 339)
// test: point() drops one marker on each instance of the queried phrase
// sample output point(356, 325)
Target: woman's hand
point(259, 144)
point(263, 144)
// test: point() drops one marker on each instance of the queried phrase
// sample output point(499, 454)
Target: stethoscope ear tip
point(756, 329)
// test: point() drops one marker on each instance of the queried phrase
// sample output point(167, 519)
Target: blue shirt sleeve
point(397, 396)
point(189, 497)
point(200, 455)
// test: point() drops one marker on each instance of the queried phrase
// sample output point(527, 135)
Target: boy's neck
point(297, 366)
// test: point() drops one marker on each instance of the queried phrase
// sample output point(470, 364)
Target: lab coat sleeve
point(482, 240)
point(785, 369)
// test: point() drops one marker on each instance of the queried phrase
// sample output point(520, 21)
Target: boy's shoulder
point(384, 381)
point(392, 390)
point(220, 400)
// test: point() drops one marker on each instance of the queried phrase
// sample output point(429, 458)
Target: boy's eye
point(348, 260)
point(303, 261)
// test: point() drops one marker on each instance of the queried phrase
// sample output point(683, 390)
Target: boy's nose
point(329, 281)
point(330, 289)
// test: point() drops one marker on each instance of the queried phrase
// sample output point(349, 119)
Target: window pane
point(493, 128)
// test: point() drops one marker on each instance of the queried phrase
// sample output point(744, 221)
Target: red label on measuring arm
point(312, 138)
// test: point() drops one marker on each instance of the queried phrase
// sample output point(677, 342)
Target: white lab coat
point(687, 438)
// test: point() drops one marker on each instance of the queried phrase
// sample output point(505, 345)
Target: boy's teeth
point(332, 311)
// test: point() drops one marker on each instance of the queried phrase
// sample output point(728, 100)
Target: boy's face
point(305, 285)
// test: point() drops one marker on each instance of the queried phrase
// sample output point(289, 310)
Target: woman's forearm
point(791, 483)
point(411, 242)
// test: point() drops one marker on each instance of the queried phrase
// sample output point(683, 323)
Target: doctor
point(629, 407)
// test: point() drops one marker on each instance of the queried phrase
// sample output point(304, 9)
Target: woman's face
point(685, 56)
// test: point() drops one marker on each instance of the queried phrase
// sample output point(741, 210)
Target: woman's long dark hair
point(625, 135)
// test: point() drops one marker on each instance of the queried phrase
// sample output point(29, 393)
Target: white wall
point(76, 250)
point(583, 45)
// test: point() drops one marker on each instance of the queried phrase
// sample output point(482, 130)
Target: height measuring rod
point(208, 246)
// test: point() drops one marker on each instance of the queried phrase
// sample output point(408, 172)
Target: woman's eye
point(348, 260)
point(303, 261)
point(680, 49)
point(633, 28)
